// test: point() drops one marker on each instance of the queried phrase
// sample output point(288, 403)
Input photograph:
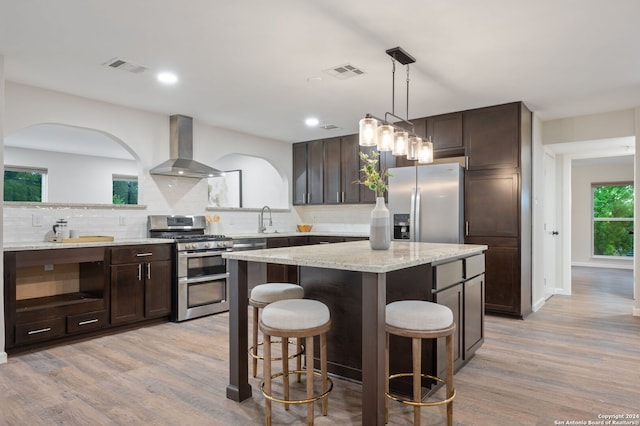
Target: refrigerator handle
point(412, 216)
point(416, 216)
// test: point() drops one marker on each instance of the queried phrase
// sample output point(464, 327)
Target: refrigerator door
point(440, 210)
point(402, 184)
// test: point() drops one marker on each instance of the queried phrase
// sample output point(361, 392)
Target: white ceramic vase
point(380, 231)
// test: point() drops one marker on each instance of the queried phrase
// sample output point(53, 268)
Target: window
point(25, 184)
point(125, 189)
point(613, 219)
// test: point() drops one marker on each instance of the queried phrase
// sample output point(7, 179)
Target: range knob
point(208, 245)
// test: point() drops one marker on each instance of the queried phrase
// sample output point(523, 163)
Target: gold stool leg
point(309, 349)
point(323, 371)
point(417, 388)
point(285, 369)
point(255, 341)
point(266, 369)
point(449, 380)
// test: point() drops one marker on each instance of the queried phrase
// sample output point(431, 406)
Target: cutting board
point(88, 239)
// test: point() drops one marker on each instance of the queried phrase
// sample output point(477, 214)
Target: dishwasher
point(256, 272)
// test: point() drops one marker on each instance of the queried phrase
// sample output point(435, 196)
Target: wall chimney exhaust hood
point(181, 152)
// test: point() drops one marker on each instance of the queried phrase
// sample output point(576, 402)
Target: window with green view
point(613, 219)
point(125, 190)
point(24, 184)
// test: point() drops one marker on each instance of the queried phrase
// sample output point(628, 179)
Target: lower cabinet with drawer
point(62, 294)
point(140, 282)
point(459, 285)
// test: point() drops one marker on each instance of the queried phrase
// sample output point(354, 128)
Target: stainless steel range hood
point(181, 152)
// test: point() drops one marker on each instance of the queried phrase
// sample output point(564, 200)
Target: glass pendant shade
point(385, 137)
point(415, 143)
point(368, 132)
point(400, 143)
point(426, 152)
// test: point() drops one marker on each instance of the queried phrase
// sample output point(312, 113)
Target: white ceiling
point(257, 66)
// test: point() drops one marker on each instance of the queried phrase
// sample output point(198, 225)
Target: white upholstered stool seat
point(417, 319)
point(299, 318)
point(261, 295)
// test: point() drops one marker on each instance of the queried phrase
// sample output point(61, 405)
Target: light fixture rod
point(393, 86)
point(385, 121)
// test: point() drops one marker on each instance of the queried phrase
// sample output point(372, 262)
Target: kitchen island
point(375, 272)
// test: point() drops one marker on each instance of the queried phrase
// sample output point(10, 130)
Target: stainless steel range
point(201, 285)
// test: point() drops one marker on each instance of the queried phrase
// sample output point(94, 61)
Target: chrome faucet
point(261, 228)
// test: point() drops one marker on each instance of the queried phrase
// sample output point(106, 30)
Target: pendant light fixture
point(399, 138)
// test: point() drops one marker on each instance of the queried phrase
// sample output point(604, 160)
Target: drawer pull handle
point(91, 321)
point(42, 330)
point(144, 254)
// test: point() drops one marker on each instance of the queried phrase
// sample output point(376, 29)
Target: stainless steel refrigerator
point(427, 203)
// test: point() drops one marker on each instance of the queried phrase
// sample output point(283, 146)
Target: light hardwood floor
point(573, 360)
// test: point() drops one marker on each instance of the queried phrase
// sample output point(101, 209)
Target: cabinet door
point(451, 298)
point(492, 206)
point(350, 169)
point(473, 315)
point(127, 293)
point(157, 293)
point(332, 171)
point(491, 137)
point(299, 173)
point(315, 164)
point(446, 134)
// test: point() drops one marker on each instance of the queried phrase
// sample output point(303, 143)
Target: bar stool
point(300, 318)
point(419, 320)
point(261, 296)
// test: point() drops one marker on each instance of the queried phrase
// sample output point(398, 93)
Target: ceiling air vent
point(345, 71)
point(330, 126)
point(124, 65)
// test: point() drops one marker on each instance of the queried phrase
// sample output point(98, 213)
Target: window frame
point(608, 219)
point(44, 173)
point(126, 178)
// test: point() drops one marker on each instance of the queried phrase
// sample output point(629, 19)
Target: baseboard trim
point(603, 265)
point(539, 304)
point(636, 312)
point(3, 357)
point(562, 292)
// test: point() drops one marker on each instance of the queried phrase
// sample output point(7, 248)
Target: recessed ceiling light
point(167, 78)
point(311, 121)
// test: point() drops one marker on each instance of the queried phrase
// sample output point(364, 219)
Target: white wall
point(537, 234)
point(581, 198)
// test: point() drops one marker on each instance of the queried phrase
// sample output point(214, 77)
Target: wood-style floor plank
point(576, 358)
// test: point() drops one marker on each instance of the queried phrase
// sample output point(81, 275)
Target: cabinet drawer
point(473, 266)
point(144, 253)
point(447, 274)
point(86, 321)
point(40, 330)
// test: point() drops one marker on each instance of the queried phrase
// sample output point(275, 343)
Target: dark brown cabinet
point(308, 159)
point(52, 294)
point(277, 273)
point(498, 202)
point(452, 298)
point(492, 136)
point(446, 134)
point(341, 164)
point(140, 283)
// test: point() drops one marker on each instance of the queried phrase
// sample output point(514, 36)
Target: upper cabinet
point(341, 165)
point(446, 134)
point(308, 158)
point(492, 137)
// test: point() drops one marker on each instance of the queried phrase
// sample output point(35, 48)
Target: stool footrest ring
point(416, 403)
point(279, 358)
point(297, 401)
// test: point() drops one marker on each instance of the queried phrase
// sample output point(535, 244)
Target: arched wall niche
point(261, 183)
point(80, 161)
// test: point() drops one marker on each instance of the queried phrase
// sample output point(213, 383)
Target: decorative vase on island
point(380, 231)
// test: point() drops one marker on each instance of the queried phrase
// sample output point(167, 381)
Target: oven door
point(202, 284)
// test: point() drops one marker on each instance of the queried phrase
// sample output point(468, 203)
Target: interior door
point(550, 225)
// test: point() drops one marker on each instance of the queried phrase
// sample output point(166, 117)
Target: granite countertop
point(43, 245)
point(358, 255)
point(297, 234)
